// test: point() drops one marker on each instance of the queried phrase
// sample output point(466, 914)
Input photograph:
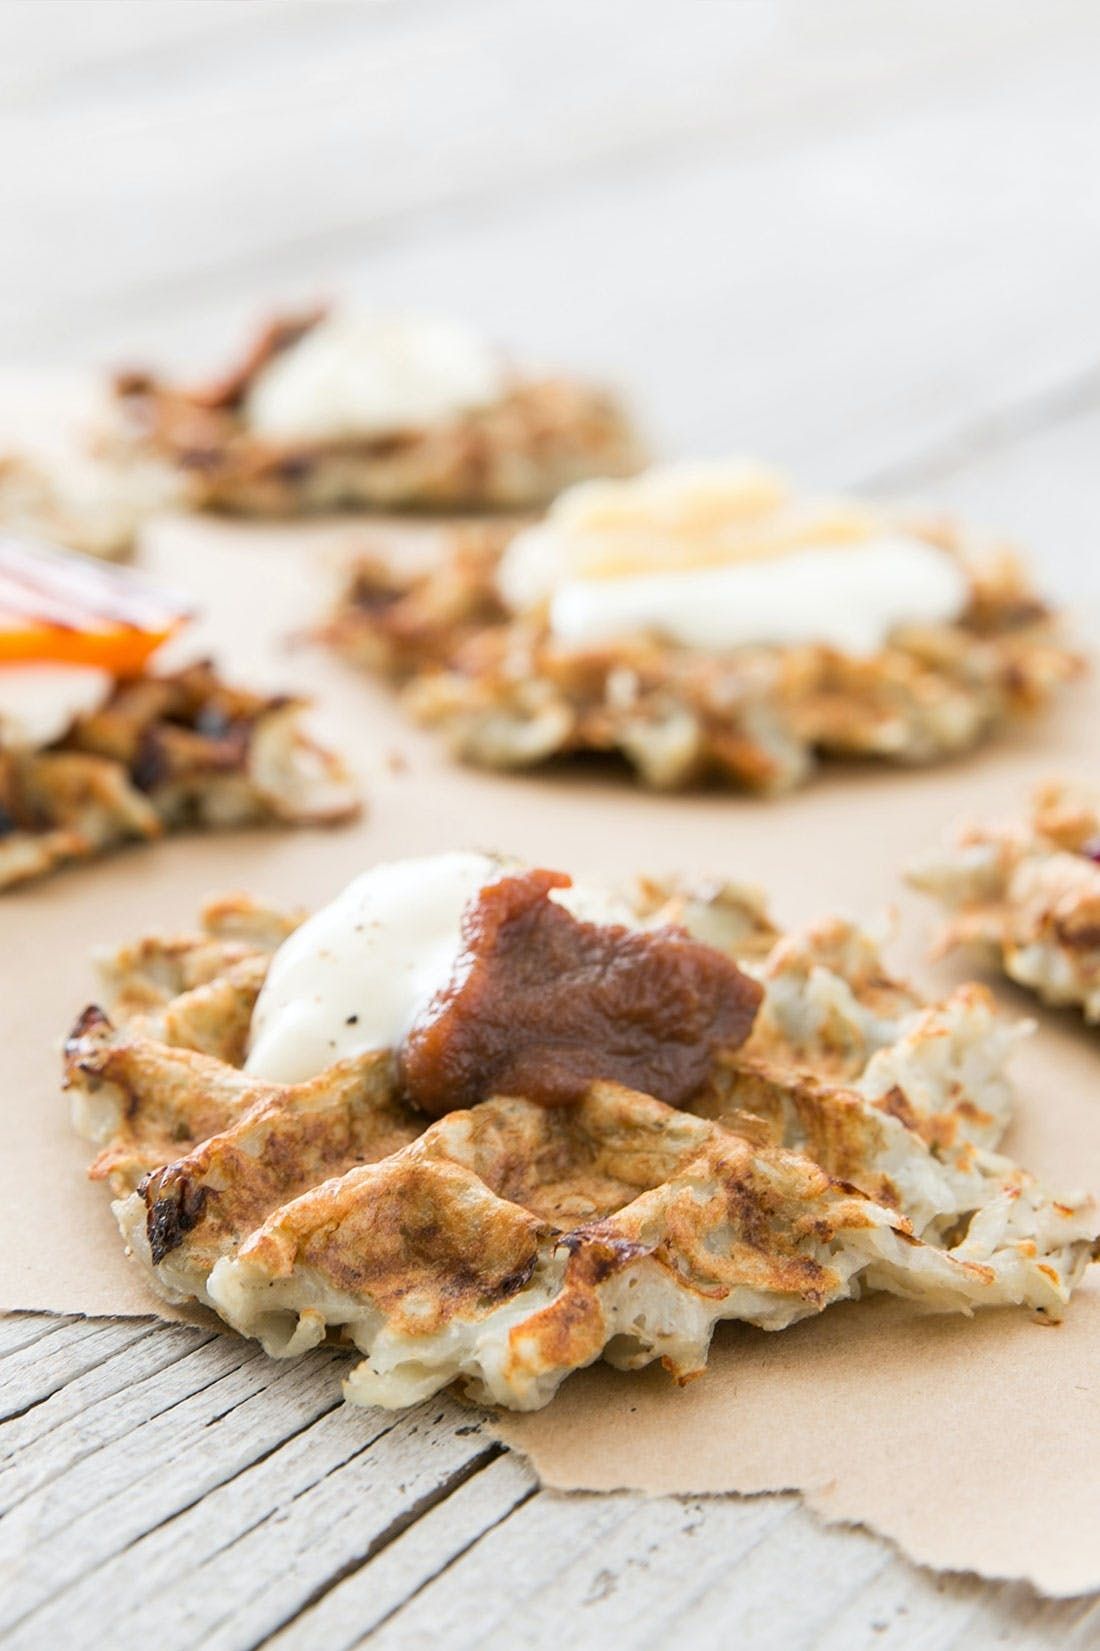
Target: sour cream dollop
point(722, 556)
point(361, 374)
point(40, 702)
point(360, 971)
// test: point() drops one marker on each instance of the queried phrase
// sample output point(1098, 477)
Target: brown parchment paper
point(973, 1444)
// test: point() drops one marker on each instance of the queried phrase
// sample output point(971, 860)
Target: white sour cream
point(360, 971)
point(847, 596)
point(720, 557)
point(359, 374)
point(39, 703)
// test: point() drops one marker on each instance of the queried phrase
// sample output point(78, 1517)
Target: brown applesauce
point(541, 1004)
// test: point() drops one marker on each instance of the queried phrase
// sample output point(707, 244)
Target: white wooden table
point(861, 240)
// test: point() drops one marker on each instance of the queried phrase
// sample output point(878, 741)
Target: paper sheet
point(974, 1444)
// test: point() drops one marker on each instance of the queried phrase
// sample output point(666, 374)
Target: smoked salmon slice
point(60, 608)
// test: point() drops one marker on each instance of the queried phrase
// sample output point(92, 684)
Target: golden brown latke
point(166, 753)
point(505, 694)
point(543, 435)
point(845, 1148)
point(1029, 892)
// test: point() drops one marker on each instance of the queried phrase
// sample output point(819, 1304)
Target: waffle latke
point(505, 694)
point(1028, 892)
point(846, 1147)
point(540, 436)
point(167, 752)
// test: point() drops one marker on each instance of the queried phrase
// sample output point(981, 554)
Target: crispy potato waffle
point(505, 694)
point(541, 436)
point(1028, 892)
point(167, 752)
point(847, 1147)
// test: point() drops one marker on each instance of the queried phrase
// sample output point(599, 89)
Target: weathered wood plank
point(21, 1329)
point(356, 1603)
point(164, 182)
point(71, 49)
point(1041, 485)
point(619, 1568)
point(902, 1607)
point(32, 1373)
point(231, 1567)
point(678, 281)
point(87, 1412)
point(93, 1507)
